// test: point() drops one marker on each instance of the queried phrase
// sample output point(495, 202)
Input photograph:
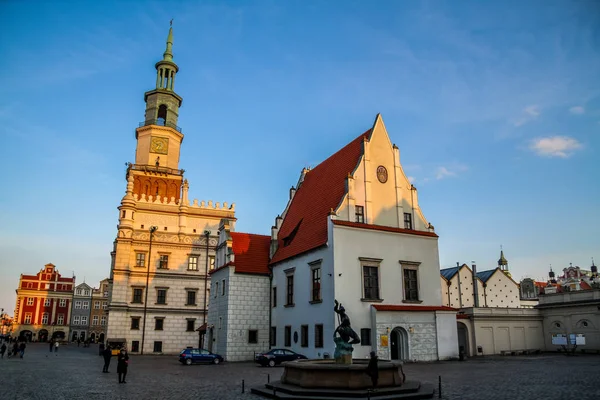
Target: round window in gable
point(584, 323)
point(557, 325)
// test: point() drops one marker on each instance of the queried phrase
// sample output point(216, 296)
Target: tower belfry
point(503, 263)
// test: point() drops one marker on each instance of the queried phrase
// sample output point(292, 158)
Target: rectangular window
point(223, 287)
point(158, 324)
point(77, 304)
point(96, 305)
point(220, 322)
point(137, 295)
point(103, 320)
point(27, 318)
point(191, 298)
point(319, 335)
point(104, 305)
point(365, 337)
point(85, 305)
point(46, 302)
point(30, 301)
point(407, 221)
point(164, 262)
point(84, 320)
point(193, 263)
point(411, 285)
point(61, 319)
point(140, 259)
point(359, 214)
point(135, 346)
point(158, 347)
point(95, 320)
point(216, 288)
point(190, 325)
point(44, 318)
point(316, 285)
point(273, 336)
point(304, 336)
point(253, 336)
point(290, 291)
point(288, 336)
point(371, 282)
point(76, 320)
point(161, 296)
point(211, 262)
point(135, 322)
point(62, 302)
point(274, 297)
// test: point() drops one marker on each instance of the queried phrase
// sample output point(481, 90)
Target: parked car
point(277, 356)
point(191, 356)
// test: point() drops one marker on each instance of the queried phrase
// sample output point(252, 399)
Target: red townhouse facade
point(43, 308)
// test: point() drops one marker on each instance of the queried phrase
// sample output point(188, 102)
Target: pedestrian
point(22, 349)
point(2, 350)
point(56, 344)
point(51, 342)
point(107, 354)
point(122, 364)
point(373, 369)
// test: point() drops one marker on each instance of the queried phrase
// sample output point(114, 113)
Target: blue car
point(191, 356)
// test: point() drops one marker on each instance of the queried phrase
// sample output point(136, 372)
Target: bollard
point(242, 386)
point(440, 387)
point(368, 394)
point(268, 378)
point(274, 392)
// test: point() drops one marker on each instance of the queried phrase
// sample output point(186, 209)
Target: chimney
point(475, 286)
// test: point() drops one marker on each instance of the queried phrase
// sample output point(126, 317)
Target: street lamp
point(152, 230)
point(202, 336)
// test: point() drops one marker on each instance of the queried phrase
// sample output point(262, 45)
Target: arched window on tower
point(162, 115)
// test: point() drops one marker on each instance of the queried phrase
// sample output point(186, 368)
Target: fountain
point(343, 376)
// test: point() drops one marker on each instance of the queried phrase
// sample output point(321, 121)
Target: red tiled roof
point(541, 284)
point(322, 190)
point(390, 307)
point(383, 228)
point(584, 285)
point(251, 253)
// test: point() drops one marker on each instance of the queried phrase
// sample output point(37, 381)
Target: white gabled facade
point(400, 314)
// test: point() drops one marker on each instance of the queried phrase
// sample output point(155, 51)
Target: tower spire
point(168, 54)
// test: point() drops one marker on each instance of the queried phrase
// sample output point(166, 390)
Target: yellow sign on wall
point(384, 340)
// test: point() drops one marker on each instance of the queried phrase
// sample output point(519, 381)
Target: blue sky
point(495, 108)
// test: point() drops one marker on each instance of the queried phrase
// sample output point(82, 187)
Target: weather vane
point(171, 22)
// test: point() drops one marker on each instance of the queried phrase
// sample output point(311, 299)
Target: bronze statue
point(344, 329)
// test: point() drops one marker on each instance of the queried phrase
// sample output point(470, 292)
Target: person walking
point(22, 349)
point(51, 343)
point(2, 350)
point(107, 354)
point(122, 364)
point(56, 344)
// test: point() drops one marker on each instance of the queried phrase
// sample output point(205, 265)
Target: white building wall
point(304, 313)
point(350, 244)
point(447, 335)
point(218, 312)
point(501, 291)
point(421, 329)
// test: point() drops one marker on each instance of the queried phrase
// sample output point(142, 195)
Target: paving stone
point(76, 373)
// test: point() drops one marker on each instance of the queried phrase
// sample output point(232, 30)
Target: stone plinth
point(329, 374)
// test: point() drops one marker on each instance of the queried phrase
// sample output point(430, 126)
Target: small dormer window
point(289, 238)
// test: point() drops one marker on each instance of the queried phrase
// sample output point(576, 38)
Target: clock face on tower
point(159, 145)
point(382, 174)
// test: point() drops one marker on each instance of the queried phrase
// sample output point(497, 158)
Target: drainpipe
point(459, 290)
point(270, 305)
point(449, 283)
point(485, 294)
point(202, 336)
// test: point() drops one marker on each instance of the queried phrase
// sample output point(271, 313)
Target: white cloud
point(577, 110)
point(555, 146)
point(450, 171)
point(528, 114)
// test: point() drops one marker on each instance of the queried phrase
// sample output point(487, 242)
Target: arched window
point(162, 114)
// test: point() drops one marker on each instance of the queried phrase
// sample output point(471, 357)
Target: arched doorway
point(26, 335)
point(82, 336)
point(463, 339)
point(101, 338)
point(43, 335)
point(399, 345)
point(59, 335)
point(74, 337)
point(92, 337)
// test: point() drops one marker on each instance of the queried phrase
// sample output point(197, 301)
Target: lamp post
point(152, 230)
point(202, 336)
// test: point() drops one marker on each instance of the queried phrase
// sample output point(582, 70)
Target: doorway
point(399, 345)
point(463, 339)
point(43, 335)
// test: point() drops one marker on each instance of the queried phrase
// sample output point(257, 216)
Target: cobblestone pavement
point(75, 373)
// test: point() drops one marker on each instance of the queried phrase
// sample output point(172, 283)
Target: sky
point(495, 107)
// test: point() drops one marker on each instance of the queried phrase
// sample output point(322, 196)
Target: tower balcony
point(154, 169)
point(160, 122)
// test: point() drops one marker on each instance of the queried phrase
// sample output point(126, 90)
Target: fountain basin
point(328, 374)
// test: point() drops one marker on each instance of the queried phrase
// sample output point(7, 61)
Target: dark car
point(191, 356)
point(277, 356)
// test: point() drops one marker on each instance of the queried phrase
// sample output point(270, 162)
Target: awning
point(201, 328)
